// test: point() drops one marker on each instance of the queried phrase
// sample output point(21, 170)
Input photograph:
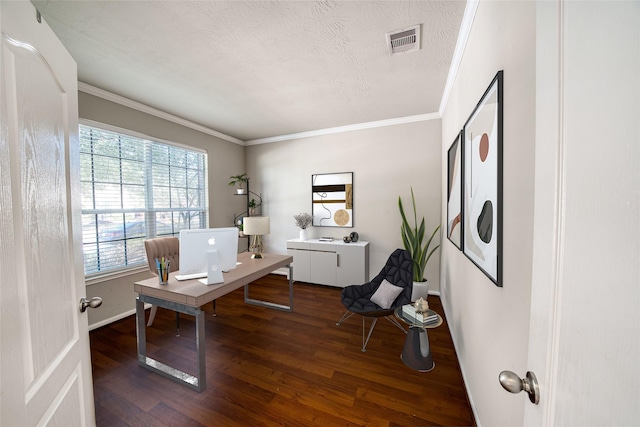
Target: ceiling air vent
point(404, 40)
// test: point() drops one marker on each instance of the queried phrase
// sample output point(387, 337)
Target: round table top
point(413, 322)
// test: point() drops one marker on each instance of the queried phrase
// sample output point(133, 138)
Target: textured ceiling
point(257, 69)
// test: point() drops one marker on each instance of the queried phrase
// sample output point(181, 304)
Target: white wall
point(490, 325)
point(386, 162)
point(225, 159)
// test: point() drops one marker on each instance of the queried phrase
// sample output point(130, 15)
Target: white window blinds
point(134, 189)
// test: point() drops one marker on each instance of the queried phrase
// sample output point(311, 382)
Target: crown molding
point(347, 128)
point(109, 96)
point(463, 36)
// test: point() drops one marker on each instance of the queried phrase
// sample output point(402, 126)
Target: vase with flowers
point(303, 221)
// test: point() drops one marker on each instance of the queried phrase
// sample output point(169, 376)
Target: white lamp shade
point(256, 225)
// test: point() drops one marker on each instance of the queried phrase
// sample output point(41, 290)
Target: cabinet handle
point(337, 260)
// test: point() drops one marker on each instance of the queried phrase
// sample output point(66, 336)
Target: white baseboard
point(283, 271)
point(115, 318)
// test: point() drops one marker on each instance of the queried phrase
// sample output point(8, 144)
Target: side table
point(416, 353)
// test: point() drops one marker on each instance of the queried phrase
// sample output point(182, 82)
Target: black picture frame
point(455, 230)
point(482, 177)
point(332, 199)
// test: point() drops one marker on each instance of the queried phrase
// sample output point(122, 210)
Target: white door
point(45, 360)
point(585, 321)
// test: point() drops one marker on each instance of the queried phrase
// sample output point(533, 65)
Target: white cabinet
point(332, 263)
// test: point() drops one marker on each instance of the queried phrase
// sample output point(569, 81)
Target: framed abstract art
point(332, 199)
point(454, 191)
point(482, 175)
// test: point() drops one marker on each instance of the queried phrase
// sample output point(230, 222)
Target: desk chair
point(391, 288)
point(168, 248)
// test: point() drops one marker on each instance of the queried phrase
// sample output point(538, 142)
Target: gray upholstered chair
point(381, 296)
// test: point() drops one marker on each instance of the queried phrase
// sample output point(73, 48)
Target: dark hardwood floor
point(267, 367)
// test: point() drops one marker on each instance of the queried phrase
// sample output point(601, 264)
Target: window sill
point(104, 277)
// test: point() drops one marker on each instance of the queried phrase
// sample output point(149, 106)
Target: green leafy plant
point(413, 237)
point(238, 179)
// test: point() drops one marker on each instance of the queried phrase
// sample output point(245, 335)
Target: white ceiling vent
point(404, 40)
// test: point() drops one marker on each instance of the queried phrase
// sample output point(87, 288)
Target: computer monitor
point(195, 243)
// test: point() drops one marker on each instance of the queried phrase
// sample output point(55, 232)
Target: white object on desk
point(214, 271)
point(182, 277)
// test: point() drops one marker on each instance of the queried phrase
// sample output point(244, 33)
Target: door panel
point(42, 212)
point(584, 338)
point(301, 265)
point(45, 344)
point(323, 267)
point(353, 265)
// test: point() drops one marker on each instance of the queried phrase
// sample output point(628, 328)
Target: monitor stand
point(214, 273)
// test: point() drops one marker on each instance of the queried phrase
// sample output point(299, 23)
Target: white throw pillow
point(386, 294)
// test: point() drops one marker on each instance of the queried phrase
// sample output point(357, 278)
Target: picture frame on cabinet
point(482, 177)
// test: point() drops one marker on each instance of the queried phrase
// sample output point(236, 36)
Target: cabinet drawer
point(312, 246)
point(297, 245)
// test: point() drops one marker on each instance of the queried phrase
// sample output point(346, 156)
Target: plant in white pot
point(413, 240)
point(303, 220)
point(240, 180)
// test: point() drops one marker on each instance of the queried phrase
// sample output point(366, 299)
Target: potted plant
point(413, 238)
point(240, 180)
point(303, 220)
point(253, 205)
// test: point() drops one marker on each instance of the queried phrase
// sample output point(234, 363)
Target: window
point(134, 189)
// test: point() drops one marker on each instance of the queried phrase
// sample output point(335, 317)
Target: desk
point(188, 296)
point(416, 353)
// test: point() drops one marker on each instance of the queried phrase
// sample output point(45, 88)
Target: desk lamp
point(256, 227)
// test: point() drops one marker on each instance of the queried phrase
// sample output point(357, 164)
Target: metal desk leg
point(268, 304)
point(198, 383)
point(141, 331)
point(202, 374)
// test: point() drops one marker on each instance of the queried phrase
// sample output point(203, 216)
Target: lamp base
point(256, 246)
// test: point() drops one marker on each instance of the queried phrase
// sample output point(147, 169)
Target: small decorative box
point(427, 317)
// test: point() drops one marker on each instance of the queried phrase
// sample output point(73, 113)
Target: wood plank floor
point(271, 368)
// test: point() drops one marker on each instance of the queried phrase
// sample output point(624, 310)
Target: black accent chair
point(357, 298)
